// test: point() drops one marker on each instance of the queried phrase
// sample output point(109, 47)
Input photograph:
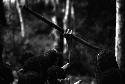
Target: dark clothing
point(37, 64)
point(45, 66)
point(55, 73)
point(29, 78)
point(111, 76)
point(108, 70)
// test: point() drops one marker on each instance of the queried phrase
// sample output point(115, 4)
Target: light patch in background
point(118, 33)
point(54, 32)
point(12, 1)
point(6, 3)
point(22, 2)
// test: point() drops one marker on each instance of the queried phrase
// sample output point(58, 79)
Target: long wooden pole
point(118, 34)
point(61, 30)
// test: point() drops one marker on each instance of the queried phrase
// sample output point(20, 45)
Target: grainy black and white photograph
point(62, 42)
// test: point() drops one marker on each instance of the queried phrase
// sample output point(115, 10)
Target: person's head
point(106, 60)
point(55, 57)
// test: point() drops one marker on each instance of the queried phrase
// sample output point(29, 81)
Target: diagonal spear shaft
point(61, 29)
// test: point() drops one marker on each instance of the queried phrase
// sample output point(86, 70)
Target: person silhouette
point(45, 65)
point(107, 68)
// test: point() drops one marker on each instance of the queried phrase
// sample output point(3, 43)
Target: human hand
point(68, 33)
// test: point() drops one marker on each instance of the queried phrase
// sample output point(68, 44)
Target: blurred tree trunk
point(120, 31)
point(120, 37)
point(20, 18)
point(118, 50)
point(54, 20)
point(68, 23)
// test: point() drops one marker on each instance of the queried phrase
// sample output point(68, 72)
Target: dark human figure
point(55, 74)
point(108, 71)
point(45, 65)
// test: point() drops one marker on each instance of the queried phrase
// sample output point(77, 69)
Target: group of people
point(42, 69)
point(48, 69)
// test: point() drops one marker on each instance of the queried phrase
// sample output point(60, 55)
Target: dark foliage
point(6, 76)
